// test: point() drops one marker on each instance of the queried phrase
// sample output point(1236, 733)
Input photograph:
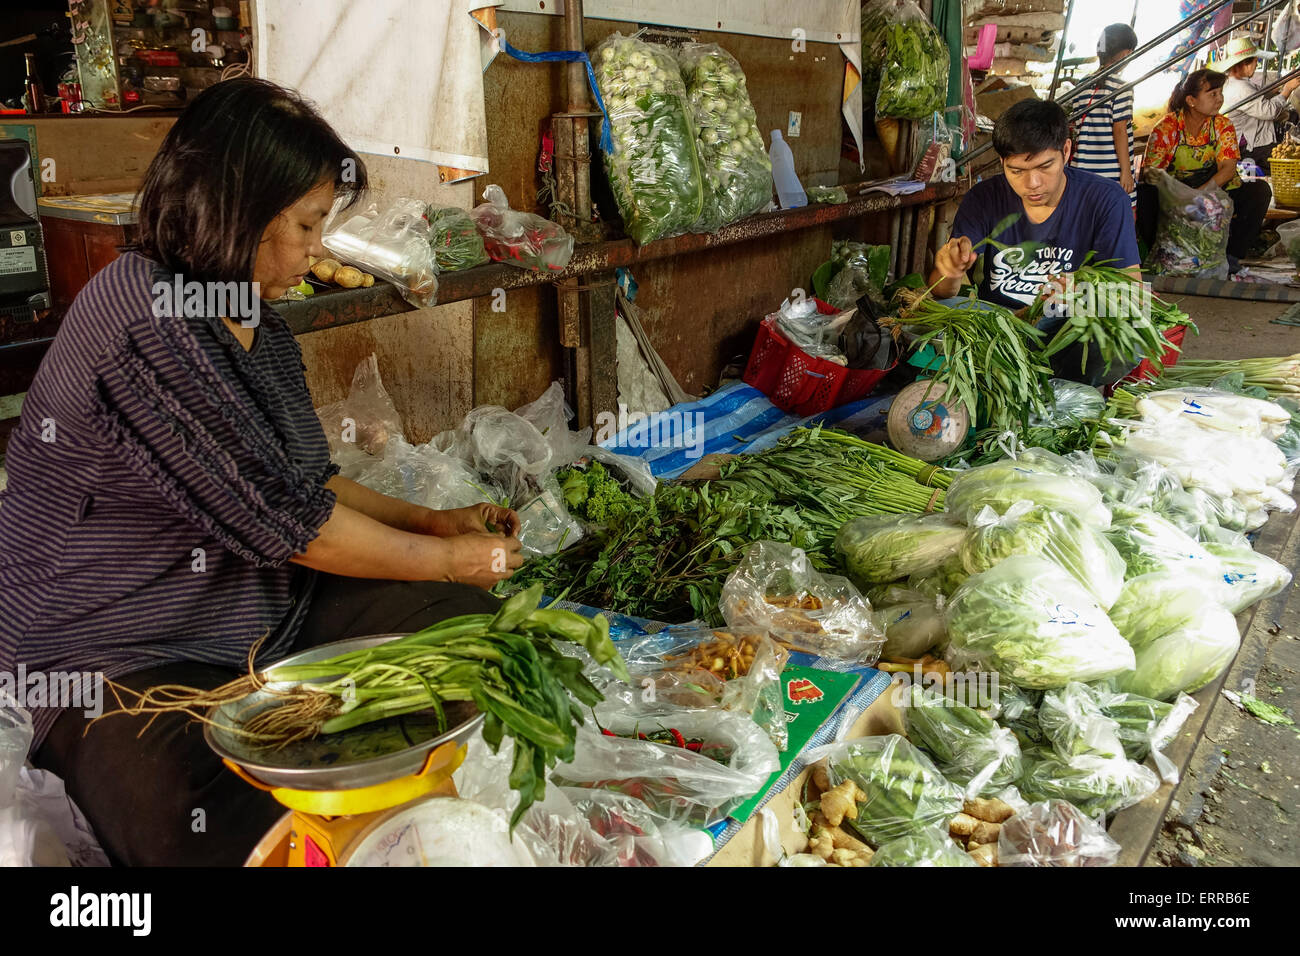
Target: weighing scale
point(361, 797)
point(924, 424)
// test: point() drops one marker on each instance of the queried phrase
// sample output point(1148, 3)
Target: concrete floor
point(1236, 328)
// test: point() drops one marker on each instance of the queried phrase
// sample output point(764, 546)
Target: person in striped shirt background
point(1106, 130)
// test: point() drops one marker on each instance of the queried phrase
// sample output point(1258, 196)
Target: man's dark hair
point(1116, 38)
point(1030, 126)
point(240, 154)
point(1194, 84)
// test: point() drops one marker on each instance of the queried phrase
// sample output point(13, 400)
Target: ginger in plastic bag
point(776, 587)
point(521, 239)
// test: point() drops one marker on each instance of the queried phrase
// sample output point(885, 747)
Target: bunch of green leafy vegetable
point(455, 239)
point(654, 170)
point(593, 495)
point(667, 556)
point(1094, 784)
point(966, 745)
point(914, 72)
point(876, 17)
point(737, 172)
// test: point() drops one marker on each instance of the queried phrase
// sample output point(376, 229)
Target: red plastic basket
point(799, 383)
point(1174, 336)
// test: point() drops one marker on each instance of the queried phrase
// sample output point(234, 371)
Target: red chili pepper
point(677, 736)
point(607, 732)
point(697, 746)
point(642, 737)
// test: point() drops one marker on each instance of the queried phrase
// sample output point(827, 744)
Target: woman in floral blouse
point(1197, 145)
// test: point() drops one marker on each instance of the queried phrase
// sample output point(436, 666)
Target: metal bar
point(345, 306)
point(602, 353)
point(1060, 51)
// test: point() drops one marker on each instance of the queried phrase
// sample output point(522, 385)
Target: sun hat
point(1238, 50)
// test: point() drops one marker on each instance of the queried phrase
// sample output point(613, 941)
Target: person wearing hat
point(1255, 121)
point(1197, 145)
point(1105, 144)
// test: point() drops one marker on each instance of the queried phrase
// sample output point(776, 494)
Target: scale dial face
point(923, 424)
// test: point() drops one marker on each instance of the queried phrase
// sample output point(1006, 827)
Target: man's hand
point(954, 258)
point(475, 519)
point(483, 559)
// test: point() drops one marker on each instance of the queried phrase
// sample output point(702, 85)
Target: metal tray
point(361, 757)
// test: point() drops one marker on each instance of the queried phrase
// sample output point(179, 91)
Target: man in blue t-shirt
point(1065, 213)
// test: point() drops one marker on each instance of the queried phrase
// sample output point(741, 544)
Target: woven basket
point(1286, 182)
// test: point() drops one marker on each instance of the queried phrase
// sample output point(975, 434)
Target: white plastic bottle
point(788, 189)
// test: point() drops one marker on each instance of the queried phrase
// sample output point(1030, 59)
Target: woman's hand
point(475, 519)
point(483, 559)
point(1126, 180)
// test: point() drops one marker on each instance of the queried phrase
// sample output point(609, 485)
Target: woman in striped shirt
point(1106, 131)
point(171, 499)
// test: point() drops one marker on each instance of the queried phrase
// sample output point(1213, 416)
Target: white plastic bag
point(391, 240)
point(521, 239)
point(1055, 833)
point(26, 838)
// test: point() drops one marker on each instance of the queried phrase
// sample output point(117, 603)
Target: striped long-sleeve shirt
point(1096, 128)
point(160, 478)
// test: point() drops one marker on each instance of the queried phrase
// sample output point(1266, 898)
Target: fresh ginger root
point(840, 802)
point(962, 825)
point(985, 832)
point(838, 848)
point(993, 811)
point(821, 777)
point(986, 854)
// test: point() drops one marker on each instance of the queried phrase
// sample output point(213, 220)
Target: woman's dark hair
point(1115, 39)
point(239, 155)
point(1194, 84)
point(1030, 126)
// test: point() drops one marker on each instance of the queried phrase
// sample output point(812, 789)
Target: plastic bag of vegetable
point(930, 847)
point(914, 68)
point(390, 240)
point(1148, 542)
point(454, 238)
point(877, 549)
point(1059, 536)
point(520, 239)
point(943, 582)
point(1003, 483)
point(1216, 410)
point(1035, 625)
point(1192, 238)
point(1071, 402)
point(1146, 725)
point(695, 766)
point(1182, 636)
point(654, 171)
point(905, 793)
point(1246, 575)
point(737, 669)
point(733, 161)
point(1055, 833)
point(967, 746)
point(776, 587)
point(876, 17)
point(1073, 720)
point(913, 621)
point(1093, 784)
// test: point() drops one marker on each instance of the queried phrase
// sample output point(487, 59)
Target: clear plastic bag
point(679, 784)
point(1073, 720)
point(968, 747)
point(1149, 542)
point(1096, 785)
point(815, 332)
point(454, 238)
point(1035, 625)
point(1147, 726)
point(1071, 402)
point(654, 171)
point(736, 669)
point(733, 161)
point(775, 587)
point(913, 622)
point(930, 847)
point(363, 423)
point(26, 838)
point(521, 239)
point(1192, 235)
point(1001, 484)
point(1182, 636)
point(937, 145)
point(1247, 576)
point(390, 240)
point(905, 792)
point(877, 549)
point(1055, 833)
point(914, 68)
point(545, 525)
point(1068, 542)
point(1215, 410)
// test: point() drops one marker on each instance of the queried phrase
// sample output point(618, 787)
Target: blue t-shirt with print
point(1094, 215)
